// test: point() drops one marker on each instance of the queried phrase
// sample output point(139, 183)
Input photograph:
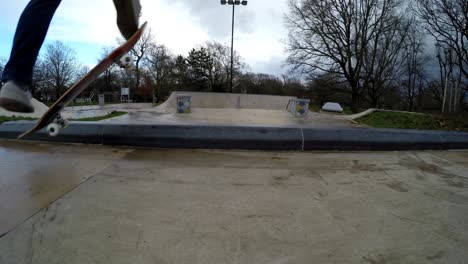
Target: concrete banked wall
point(224, 100)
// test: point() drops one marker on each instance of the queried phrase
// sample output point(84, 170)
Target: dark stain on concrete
point(447, 195)
point(458, 183)
point(359, 166)
point(420, 176)
point(433, 169)
point(377, 259)
point(437, 255)
point(280, 180)
point(257, 216)
point(398, 186)
point(54, 212)
point(246, 184)
point(278, 158)
point(426, 167)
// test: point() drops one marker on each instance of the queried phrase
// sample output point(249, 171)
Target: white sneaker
point(128, 16)
point(15, 98)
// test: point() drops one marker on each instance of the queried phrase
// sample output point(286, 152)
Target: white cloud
point(10, 13)
point(173, 25)
point(84, 21)
point(179, 24)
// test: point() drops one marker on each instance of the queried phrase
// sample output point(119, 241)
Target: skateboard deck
point(53, 114)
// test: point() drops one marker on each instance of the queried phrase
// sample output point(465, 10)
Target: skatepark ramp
point(227, 100)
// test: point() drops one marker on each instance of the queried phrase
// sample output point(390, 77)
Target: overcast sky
point(89, 25)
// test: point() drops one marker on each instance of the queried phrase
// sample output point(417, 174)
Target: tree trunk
point(355, 101)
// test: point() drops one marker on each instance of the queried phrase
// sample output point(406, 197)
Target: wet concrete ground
point(238, 117)
point(34, 175)
point(124, 205)
point(147, 114)
point(77, 112)
point(228, 116)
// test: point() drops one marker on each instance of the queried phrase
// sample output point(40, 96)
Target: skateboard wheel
point(126, 61)
point(53, 129)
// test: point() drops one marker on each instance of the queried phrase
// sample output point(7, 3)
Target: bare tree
point(108, 74)
point(220, 73)
point(180, 74)
point(383, 59)
point(90, 91)
point(39, 86)
point(60, 67)
point(160, 64)
point(221, 55)
point(447, 22)
point(323, 88)
point(261, 83)
point(200, 69)
point(414, 65)
point(81, 72)
point(139, 52)
point(294, 87)
point(335, 37)
point(451, 79)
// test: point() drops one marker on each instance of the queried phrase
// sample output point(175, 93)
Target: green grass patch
point(315, 108)
point(99, 118)
point(4, 119)
point(348, 111)
point(415, 121)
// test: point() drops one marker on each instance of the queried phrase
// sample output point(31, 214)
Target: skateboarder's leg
point(128, 15)
point(30, 34)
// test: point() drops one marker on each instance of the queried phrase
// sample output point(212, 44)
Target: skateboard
point(52, 118)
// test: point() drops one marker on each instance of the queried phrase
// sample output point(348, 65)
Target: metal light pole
point(233, 3)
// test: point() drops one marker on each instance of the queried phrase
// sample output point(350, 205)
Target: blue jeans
point(30, 34)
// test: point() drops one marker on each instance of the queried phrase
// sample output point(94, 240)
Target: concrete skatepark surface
point(226, 116)
point(243, 122)
point(94, 204)
point(214, 108)
point(228, 100)
point(207, 108)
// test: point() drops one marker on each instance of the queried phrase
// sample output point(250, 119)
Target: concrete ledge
point(85, 133)
point(383, 139)
point(205, 137)
point(244, 137)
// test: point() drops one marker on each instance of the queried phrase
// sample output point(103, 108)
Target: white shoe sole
point(14, 98)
